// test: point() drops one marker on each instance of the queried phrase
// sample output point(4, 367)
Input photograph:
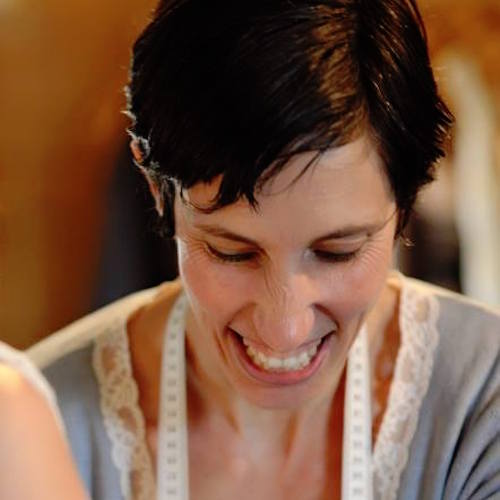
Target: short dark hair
point(235, 88)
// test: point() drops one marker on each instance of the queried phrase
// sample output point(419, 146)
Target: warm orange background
point(63, 65)
point(62, 68)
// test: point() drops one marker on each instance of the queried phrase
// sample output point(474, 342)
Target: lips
point(280, 371)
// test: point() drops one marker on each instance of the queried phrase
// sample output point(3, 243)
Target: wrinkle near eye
point(191, 249)
point(370, 257)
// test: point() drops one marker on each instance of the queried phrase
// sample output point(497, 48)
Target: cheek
point(356, 288)
point(214, 289)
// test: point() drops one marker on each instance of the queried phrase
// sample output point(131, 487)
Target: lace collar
point(125, 425)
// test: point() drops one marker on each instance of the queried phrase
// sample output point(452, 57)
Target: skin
point(280, 441)
point(32, 446)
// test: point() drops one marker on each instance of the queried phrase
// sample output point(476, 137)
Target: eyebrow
point(351, 230)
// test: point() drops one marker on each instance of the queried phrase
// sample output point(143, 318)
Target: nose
point(284, 316)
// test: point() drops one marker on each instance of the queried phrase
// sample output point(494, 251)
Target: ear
point(153, 186)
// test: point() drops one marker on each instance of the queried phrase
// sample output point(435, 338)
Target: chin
point(281, 398)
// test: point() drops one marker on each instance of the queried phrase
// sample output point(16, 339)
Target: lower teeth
point(289, 368)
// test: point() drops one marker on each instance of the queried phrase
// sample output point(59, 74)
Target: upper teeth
point(281, 364)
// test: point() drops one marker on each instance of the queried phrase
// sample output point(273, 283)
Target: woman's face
point(278, 295)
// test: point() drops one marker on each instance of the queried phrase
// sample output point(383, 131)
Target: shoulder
point(458, 318)
point(67, 357)
point(459, 339)
point(458, 429)
point(75, 361)
point(445, 295)
point(32, 445)
point(15, 393)
point(82, 333)
point(465, 336)
point(20, 402)
point(21, 380)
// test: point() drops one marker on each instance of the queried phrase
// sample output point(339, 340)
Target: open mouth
point(285, 370)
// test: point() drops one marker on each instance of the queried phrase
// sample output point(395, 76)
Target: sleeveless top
point(440, 432)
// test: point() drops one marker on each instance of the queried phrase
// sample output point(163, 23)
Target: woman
point(36, 461)
point(284, 144)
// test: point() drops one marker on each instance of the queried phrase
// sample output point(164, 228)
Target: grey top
point(440, 433)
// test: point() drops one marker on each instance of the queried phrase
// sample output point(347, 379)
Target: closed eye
point(233, 257)
point(248, 256)
point(335, 256)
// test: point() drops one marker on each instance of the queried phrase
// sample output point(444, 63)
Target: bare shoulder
point(16, 394)
point(36, 461)
point(24, 410)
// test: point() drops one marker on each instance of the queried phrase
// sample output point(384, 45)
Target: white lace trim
point(123, 419)
point(414, 363)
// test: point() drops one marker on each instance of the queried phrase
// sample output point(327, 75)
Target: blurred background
point(76, 225)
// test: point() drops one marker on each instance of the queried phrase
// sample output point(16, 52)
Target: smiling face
point(278, 295)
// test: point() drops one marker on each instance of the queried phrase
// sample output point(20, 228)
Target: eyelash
point(244, 257)
point(229, 258)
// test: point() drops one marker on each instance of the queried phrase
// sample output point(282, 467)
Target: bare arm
point(36, 462)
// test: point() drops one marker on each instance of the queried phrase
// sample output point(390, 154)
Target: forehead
point(335, 170)
point(345, 186)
